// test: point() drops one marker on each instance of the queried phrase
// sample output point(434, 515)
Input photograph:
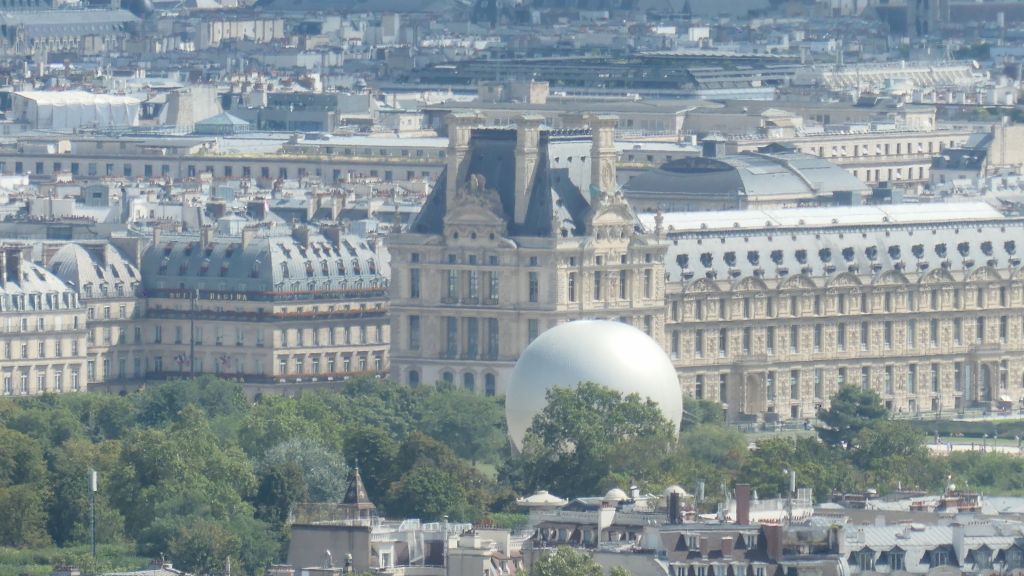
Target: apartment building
point(43, 345)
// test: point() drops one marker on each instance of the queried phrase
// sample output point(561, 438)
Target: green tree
point(892, 453)
point(698, 411)
point(565, 561)
point(470, 424)
point(852, 409)
point(68, 508)
point(428, 493)
point(374, 451)
point(588, 435)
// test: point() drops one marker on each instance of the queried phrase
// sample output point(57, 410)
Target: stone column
point(460, 127)
point(527, 143)
point(603, 155)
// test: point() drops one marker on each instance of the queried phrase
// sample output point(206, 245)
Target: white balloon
point(613, 354)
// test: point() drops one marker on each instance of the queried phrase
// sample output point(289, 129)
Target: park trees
point(587, 435)
point(852, 409)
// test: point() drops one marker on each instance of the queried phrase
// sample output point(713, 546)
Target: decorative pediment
point(475, 212)
point(610, 217)
point(844, 280)
point(799, 281)
point(937, 276)
point(890, 277)
point(985, 273)
point(750, 283)
point(703, 285)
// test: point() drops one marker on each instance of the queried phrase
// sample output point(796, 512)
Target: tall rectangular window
point(492, 338)
point(698, 387)
point(794, 339)
point(958, 331)
point(571, 287)
point(911, 334)
point(889, 380)
point(451, 336)
point(912, 378)
point(623, 284)
point(887, 334)
point(979, 331)
point(865, 336)
point(474, 286)
point(819, 383)
point(414, 332)
point(472, 337)
point(818, 337)
point(723, 343)
point(770, 385)
point(597, 285)
point(934, 377)
point(933, 333)
point(532, 328)
point(698, 343)
point(1004, 328)
point(769, 340)
point(794, 384)
point(534, 290)
point(841, 336)
point(865, 377)
point(648, 283)
point(492, 286)
point(747, 337)
point(414, 283)
point(841, 377)
point(675, 343)
point(958, 376)
point(453, 285)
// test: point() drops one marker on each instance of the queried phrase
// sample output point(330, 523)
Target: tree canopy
point(852, 409)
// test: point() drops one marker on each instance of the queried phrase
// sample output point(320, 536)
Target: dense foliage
point(193, 470)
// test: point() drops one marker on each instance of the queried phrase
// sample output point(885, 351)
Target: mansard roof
point(890, 243)
point(561, 182)
point(266, 264)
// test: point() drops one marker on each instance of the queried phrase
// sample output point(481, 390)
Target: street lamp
point(92, 510)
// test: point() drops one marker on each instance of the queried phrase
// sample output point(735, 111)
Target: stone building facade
point(771, 312)
point(278, 312)
point(42, 329)
point(524, 230)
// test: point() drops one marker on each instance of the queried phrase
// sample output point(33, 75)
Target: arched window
point(469, 382)
point(414, 378)
point(448, 377)
point(490, 386)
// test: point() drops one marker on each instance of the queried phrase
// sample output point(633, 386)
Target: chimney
point(603, 155)
point(301, 234)
point(773, 541)
point(248, 236)
point(728, 546)
point(12, 264)
point(673, 507)
point(206, 234)
point(460, 128)
point(705, 546)
point(527, 145)
point(958, 542)
point(743, 504)
point(156, 234)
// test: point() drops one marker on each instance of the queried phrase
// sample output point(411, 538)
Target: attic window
point(871, 252)
point(825, 254)
point(940, 249)
point(777, 256)
point(848, 254)
point(894, 252)
point(918, 250)
point(986, 248)
point(1010, 246)
point(801, 256)
point(683, 260)
point(753, 257)
point(730, 259)
point(964, 248)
